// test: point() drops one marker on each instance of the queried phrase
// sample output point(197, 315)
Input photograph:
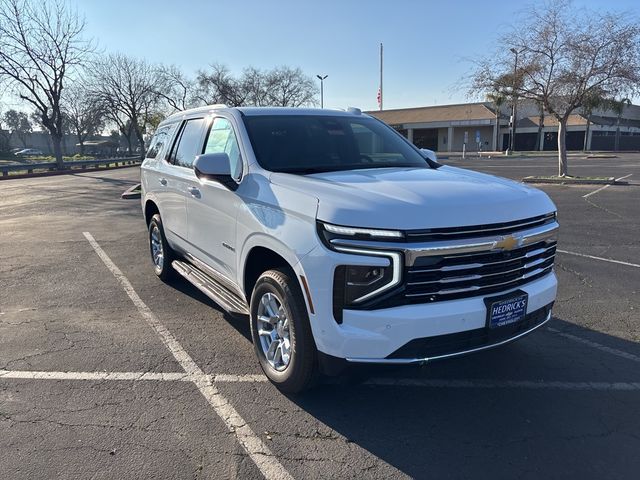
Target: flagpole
point(381, 76)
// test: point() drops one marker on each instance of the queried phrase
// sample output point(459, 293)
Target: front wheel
point(281, 333)
point(161, 253)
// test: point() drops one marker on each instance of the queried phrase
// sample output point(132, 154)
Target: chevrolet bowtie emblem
point(507, 243)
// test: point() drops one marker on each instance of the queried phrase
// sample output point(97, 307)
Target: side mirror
point(429, 154)
point(216, 167)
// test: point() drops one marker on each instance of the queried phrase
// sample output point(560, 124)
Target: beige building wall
point(486, 134)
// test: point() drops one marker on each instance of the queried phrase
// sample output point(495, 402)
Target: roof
point(254, 111)
point(551, 121)
point(439, 113)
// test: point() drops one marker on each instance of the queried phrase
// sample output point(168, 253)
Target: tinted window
point(306, 143)
point(189, 143)
point(160, 139)
point(221, 138)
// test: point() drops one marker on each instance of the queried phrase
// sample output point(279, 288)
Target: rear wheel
point(281, 333)
point(161, 253)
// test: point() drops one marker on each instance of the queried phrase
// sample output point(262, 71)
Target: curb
point(132, 192)
point(573, 181)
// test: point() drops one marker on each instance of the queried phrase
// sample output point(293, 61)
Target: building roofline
point(484, 104)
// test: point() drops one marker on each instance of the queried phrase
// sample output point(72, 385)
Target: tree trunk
point(586, 134)
point(57, 150)
point(617, 145)
point(140, 141)
point(562, 147)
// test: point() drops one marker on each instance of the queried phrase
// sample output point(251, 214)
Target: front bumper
point(448, 318)
point(428, 349)
point(373, 336)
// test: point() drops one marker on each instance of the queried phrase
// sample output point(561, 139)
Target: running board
point(211, 288)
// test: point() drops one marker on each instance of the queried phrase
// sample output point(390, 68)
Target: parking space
point(106, 372)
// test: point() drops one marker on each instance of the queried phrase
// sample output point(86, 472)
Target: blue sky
point(427, 43)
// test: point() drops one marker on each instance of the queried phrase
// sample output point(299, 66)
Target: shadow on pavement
point(447, 431)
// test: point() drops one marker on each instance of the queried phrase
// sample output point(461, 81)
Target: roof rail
point(205, 109)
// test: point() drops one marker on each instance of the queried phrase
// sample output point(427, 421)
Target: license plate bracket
point(507, 309)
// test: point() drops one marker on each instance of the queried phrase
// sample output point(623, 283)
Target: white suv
point(342, 241)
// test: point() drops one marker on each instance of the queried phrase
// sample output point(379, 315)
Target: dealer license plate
point(507, 310)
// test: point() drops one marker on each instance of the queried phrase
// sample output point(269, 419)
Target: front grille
point(438, 278)
point(462, 341)
point(454, 233)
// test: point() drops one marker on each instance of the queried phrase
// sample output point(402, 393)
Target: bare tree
point(175, 88)
point(18, 125)
point(41, 45)
point(282, 86)
point(254, 82)
point(290, 87)
point(565, 55)
point(83, 113)
point(218, 85)
point(127, 88)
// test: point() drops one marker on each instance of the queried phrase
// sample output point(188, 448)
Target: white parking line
point(482, 384)
point(124, 376)
point(610, 260)
point(270, 467)
point(606, 186)
point(239, 378)
point(374, 382)
point(598, 346)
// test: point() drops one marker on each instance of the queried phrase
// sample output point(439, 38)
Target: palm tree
point(498, 99)
point(618, 108)
point(539, 145)
point(591, 102)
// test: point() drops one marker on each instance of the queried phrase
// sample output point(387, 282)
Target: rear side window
point(160, 139)
point(188, 144)
point(222, 138)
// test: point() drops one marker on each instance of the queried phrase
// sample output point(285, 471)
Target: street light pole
point(321, 78)
point(514, 101)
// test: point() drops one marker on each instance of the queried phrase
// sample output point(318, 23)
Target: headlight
point(362, 232)
point(329, 232)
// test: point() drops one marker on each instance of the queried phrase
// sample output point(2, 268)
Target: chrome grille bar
point(469, 266)
point(475, 288)
point(468, 278)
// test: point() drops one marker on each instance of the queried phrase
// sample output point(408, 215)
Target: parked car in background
point(342, 241)
point(29, 152)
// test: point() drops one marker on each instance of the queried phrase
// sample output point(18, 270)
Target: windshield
point(308, 144)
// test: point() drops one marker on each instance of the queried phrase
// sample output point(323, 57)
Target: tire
point(162, 268)
point(300, 371)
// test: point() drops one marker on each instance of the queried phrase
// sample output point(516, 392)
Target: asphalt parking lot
point(106, 372)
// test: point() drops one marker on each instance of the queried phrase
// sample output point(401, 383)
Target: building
point(479, 127)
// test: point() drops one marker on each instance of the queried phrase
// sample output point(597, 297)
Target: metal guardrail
point(82, 164)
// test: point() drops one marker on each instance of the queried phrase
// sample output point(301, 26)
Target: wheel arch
point(258, 260)
point(150, 209)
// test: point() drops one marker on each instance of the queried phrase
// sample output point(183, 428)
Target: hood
point(417, 198)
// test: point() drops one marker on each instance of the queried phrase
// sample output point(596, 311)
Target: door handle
point(194, 192)
point(163, 182)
